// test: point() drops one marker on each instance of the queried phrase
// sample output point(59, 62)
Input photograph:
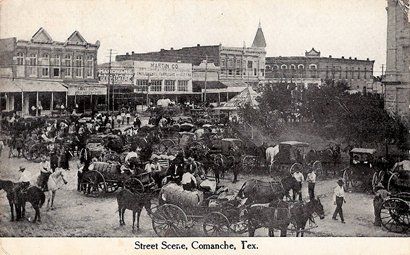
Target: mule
point(34, 195)
point(55, 182)
point(271, 153)
point(134, 202)
point(264, 192)
point(280, 214)
point(8, 187)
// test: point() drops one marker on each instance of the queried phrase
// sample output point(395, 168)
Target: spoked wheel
point(350, 181)
point(134, 185)
point(317, 166)
point(112, 186)
point(93, 183)
point(395, 215)
point(164, 145)
point(169, 221)
point(216, 224)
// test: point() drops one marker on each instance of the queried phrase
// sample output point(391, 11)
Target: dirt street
point(79, 215)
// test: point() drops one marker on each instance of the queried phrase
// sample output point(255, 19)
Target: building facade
point(238, 66)
point(397, 76)
point(43, 69)
point(312, 69)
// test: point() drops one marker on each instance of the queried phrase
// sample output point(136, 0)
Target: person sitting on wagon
point(188, 181)
point(176, 170)
point(132, 159)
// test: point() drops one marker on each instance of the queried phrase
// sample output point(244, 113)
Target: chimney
point(127, 54)
point(350, 57)
point(355, 58)
point(367, 59)
point(330, 56)
point(343, 57)
point(198, 45)
point(132, 52)
point(172, 48)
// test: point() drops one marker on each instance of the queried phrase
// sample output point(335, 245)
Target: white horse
point(55, 182)
point(270, 154)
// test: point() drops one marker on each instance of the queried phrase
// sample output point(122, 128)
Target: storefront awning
point(39, 86)
point(198, 85)
point(86, 89)
point(8, 86)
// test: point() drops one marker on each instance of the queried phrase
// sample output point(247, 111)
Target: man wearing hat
point(338, 200)
point(176, 170)
point(380, 196)
point(24, 175)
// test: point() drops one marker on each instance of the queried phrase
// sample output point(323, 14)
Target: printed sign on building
point(118, 75)
point(162, 70)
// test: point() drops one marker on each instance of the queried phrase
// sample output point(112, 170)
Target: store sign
point(86, 90)
point(162, 70)
point(118, 76)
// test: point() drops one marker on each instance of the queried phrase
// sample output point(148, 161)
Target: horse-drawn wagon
point(179, 210)
point(289, 156)
point(395, 212)
point(361, 170)
point(104, 177)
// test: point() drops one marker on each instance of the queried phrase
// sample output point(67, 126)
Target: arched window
point(283, 67)
point(292, 66)
point(300, 66)
point(313, 66)
point(275, 67)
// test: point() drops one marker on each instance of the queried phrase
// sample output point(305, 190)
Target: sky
point(349, 28)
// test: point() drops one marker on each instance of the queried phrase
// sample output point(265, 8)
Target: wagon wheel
point(249, 163)
point(164, 145)
point(134, 185)
point(317, 166)
point(112, 186)
point(395, 215)
point(346, 179)
point(392, 183)
point(93, 183)
point(169, 220)
point(294, 167)
point(216, 224)
point(375, 180)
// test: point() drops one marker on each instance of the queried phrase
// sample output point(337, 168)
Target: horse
point(31, 194)
point(8, 187)
point(54, 183)
point(279, 215)
point(134, 202)
point(271, 153)
point(264, 192)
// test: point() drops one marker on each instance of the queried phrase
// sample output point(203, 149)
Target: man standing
point(311, 180)
point(1, 147)
point(299, 178)
point(338, 200)
point(45, 172)
point(380, 196)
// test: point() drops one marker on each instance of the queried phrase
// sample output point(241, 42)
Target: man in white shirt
point(24, 176)
point(45, 171)
point(338, 200)
point(311, 180)
point(188, 181)
point(299, 178)
point(132, 159)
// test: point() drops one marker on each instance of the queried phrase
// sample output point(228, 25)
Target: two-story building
point(39, 74)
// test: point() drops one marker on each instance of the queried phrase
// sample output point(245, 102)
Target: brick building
point(397, 77)
point(313, 69)
point(43, 72)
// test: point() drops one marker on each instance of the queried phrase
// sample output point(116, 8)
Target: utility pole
point(382, 71)
point(206, 73)
point(108, 84)
point(148, 85)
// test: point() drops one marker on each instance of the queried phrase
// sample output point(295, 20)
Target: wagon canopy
point(295, 143)
point(402, 166)
point(363, 150)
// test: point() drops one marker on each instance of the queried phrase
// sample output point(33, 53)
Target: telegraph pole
point(206, 73)
point(108, 84)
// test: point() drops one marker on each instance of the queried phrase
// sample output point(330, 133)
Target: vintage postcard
point(204, 127)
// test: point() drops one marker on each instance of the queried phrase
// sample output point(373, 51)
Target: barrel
point(175, 194)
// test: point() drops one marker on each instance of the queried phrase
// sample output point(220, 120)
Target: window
point(45, 65)
point(283, 67)
point(230, 72)
point(90, 67)
point(238, 67)
point(250, 64)
point(56, 62)
point(230, 62)
point(33, 65)
point(255, 72)
point(156, 85)
point(301, 66)
point(169, 85)
point(352, 72)
point(347, 72)
point(365, 73)
point(20, 58)
point(67, 64)
point(79, 66)
point(182, 85)
point(358, 73)
point(142, 85)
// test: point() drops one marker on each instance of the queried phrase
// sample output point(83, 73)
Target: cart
point(180, 210)
point(361, 170)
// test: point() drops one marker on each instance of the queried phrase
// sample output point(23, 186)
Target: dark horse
point(32, 194)
point(8, 186)
point(280, 214)
point(134, 202)
point(264, 192)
